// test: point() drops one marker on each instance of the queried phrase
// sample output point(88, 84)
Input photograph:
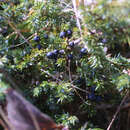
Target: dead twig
point(3, 124)
point(14, 46)
point(55, 78)
point(77, 16)
point(70, 77)
point(18, 32)
point(118, 109)
point(5, 118)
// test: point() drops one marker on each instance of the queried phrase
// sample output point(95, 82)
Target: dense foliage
point(66, 72)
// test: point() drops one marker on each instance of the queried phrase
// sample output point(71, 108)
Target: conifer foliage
point(70, 59)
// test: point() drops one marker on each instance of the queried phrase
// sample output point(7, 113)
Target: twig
point(118, 109)
point(16, 30)
point(11, 34)
point(76, 42)
point(70, 77)
point(25, 41)
point(14, 46)
point(5, 118)
point(22, 42)
point(62, 81)
point(77, 16)
point(3, 124)
point(33, 118)
point(82, 90)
